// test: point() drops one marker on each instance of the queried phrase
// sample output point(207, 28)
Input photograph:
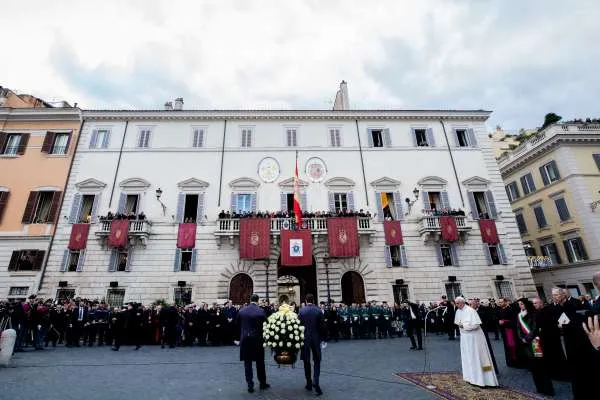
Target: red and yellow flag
point(297, 208)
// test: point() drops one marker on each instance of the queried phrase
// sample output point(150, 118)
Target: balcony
point(429, 226)
point(539, 261)
point(318, 226)
point(138, 230)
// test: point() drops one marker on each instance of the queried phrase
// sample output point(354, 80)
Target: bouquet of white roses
point(283, 331)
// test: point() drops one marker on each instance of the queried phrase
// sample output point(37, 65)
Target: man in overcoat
point(251, 320)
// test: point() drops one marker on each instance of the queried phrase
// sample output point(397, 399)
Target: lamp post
point(410, 203)
point(159, 193)
point(326, 260)
point(267, 263)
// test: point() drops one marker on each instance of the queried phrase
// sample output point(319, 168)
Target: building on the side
point(202, 166)
point(37, 143)
point(553, 183)
point(502, 141)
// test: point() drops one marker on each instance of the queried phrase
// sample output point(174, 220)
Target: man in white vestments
point(477, 367)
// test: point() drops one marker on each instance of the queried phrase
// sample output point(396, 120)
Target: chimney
point(178, 104)
point(168, 106)
point(341, 98)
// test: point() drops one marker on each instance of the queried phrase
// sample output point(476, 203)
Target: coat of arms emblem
point(254, 239)
point(393, 233)
point(118, 233)
point(342, 236)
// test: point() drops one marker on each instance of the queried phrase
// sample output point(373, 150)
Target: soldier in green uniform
point(376, 316)
point(356, 320)
point(385, 323)
point(365, 317)
point(344, 316)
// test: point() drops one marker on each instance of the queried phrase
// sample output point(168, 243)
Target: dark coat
point(315, 331)
point(250, 319)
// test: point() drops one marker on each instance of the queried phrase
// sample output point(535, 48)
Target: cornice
point(40, 114)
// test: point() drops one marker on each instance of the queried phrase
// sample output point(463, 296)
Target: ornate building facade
point(165, 168)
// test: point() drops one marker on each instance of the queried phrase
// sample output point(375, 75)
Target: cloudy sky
point(520, 59)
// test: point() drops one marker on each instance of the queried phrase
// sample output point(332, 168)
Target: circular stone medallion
point(268, 169)
point(316, 169)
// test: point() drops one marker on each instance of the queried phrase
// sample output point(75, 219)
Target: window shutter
point(39, 260)
point(524, 185)
point(105, 139)
point(3, 201)
point(177, 262)
point(141, 139)
point(30, 207)
point(399, 207)
point(112, 263)
point(332, 137)
point(350, 200)
point(472, 138)
point(379, 206)
point(597, 160)
point(200, 209)
point(502, 253)
point(198, 137)
point(194, 258)
point(94, 139)
point(486, 252)
point(568, 250)
point(303, 201)
point(582, 248)
point(414, 137)
point(180, 207)
point(3, 138)
point(529, 179)
point(539, 215)
point(445, 200)
point(387, 138)
point(489, 197)
point(338, 138)
point(331, 196)
point(253, 202)
point(129, 259)
point(95, 206)
point(425, 197)
point(553, 166)
point(23, 143)
point(75, 207)
point(544, 175)
point(48, 142)
point(430, 137)
point(81, 260)
point(65, 260)
point(283, 201)
point(454, 254)
point(122, 201)
point(403, 258)
point(67, 144)
point(563, 211)
point(472, 205)
point(55, 207)
point(388, 257)
point(439, 256)
point(288, 133)
point(233, 204)
point(370, 137)
point(456, 141)
point(14, 260)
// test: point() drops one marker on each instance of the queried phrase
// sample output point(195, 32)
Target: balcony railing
point(539, 261)
point(316, 225)
point(430, 225)
point(136, 228)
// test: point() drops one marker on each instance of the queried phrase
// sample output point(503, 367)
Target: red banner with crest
point(393, 233)
point(343, 237)
point(449, 228)
point(296, 248)
point(489, 233)
point(79, 236)
point(254, 238)
point(186, 236)
point(118, 233)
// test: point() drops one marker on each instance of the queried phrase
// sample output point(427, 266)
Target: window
point(18, 291)
point(26, 260)
point(335, 137)
point(575, 249)
point(185, 260)
point(73, 260)
point(590, 289)
point(61, 143)
point(144, 138)
point(573, 290)
point(447, 255)
point(3, 201)
point(65, 294)
point(115, 297)
point(389, 206)
point(244, 203)
point(421, 138)
point(291, 139)
point(436, 201)
point(541, 293)
point(527, 184)
point(529, 250)
point(540, 217)
point(340, 202)
point(13, 145)
point(120, 260)
point(246, 137)
point(453, 290)
point(190, 211)
point(461, 138)
point(521, 224)
point(400, 293)
point(512, 190)
point(495, 254)
point(87, 206)
point(549, 173)
point(376, 138)
point(597, 160)
point(100, 139)
point(198, 138)
point(482, 205)
point(550, 251)
point(131, 204)
point(182, 295)
point(504, 289)
point(561, 208)
point(42, 207)
point(395, 256)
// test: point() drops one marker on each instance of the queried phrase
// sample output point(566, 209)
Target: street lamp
point(159, 193)
point(410, 203)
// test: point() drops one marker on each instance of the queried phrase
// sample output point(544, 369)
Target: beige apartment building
point(553, 183)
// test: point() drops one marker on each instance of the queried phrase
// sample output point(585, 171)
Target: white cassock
point(477, 367)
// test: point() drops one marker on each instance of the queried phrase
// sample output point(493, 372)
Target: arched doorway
point(353, 288)
point(304, 280)
point(240, 289)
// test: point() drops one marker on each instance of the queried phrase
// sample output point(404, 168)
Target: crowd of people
point(290, 214)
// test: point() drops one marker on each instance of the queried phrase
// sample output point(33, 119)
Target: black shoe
point(137, 347)
point(250, 389)
point(420, 348)
point(115, 349)
point(318, 390)
point(308, 386)
point(413, 348)
point(264, 386)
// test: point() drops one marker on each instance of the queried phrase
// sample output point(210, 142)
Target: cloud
point(519, 59)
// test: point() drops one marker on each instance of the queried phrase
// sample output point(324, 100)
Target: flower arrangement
point(283, 331)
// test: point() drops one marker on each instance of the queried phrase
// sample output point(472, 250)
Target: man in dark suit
point(414, 322)
point(311, 317)
point(251, 320)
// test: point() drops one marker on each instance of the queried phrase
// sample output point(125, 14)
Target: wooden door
point(240, 289)
point(353, 288)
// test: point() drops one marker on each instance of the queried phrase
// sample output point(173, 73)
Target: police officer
point(375, 315)
point(365, 317)
point(344, 317)
point(385, 322)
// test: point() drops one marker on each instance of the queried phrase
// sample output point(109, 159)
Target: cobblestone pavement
point(362, 369)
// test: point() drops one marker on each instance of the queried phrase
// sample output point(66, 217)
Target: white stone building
point(207, 161)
